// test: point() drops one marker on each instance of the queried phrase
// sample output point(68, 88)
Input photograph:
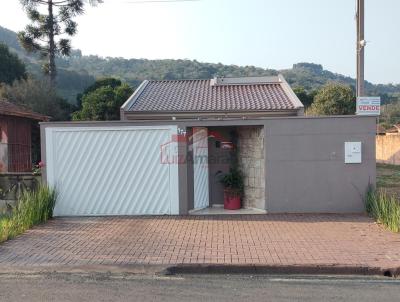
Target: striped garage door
point(112, 170)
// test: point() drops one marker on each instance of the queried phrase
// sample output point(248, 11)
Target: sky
point(265, 33)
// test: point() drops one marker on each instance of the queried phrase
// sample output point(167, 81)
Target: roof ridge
point(178, 80)
point(228, 83)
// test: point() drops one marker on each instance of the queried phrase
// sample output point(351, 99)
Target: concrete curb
point(86, 269)
point(282, 269)
point(251, 269)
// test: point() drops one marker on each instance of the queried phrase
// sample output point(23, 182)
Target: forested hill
point(78, 71)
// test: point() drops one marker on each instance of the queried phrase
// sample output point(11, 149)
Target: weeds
point(33, 207)
point(384, 207)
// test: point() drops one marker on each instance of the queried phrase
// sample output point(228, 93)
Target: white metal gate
point(112, 170)
point(200, 168)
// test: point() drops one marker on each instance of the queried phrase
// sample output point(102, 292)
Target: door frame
point(200, 170)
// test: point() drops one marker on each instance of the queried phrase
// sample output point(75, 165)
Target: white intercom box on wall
point(352, 152)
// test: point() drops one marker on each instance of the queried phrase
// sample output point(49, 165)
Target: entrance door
point(200, 167)
point(220, 161)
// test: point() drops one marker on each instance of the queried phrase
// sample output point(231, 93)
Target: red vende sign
point(368, 106)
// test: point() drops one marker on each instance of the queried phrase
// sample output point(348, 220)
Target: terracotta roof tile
point(7, 108)
point(202, 96)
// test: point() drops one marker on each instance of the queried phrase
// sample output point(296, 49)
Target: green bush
point(384, 207)
point(33, 207)
point(233, 180)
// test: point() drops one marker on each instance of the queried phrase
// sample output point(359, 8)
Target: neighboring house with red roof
point(16, 125)
point(395, 130)
point(218, 98)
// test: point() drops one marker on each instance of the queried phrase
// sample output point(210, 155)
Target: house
point(395, 130)
point(16, 124)
point(176, 138)
point(218, 99)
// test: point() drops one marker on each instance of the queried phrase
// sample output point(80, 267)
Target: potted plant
point(233, 189)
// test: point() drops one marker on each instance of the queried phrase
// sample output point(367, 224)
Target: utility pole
point(360, 47)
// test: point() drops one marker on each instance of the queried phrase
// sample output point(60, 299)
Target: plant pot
point(232, 200)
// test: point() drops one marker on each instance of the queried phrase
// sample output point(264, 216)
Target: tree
point(390, 114)
point(333, 99)
point(305, 97)
point(103, 103)
point(11, 68)
point(112, 82)
point(47, 32)
point(39, 97)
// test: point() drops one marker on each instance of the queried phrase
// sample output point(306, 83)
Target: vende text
point(369, 107)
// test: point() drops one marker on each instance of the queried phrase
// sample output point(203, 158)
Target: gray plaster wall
point(305, 169)
point(304, 160)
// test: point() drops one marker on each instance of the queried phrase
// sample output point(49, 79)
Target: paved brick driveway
point(259, 239)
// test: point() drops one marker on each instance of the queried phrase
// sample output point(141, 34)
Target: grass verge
point(388, 177)
point(33, 207)
point(384, 207)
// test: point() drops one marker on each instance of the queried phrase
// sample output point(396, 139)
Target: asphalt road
point(118, 287)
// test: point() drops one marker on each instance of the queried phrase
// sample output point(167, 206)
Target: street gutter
point(206, 269)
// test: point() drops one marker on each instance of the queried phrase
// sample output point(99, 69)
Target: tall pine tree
point(51, 26)
point(11, 67)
